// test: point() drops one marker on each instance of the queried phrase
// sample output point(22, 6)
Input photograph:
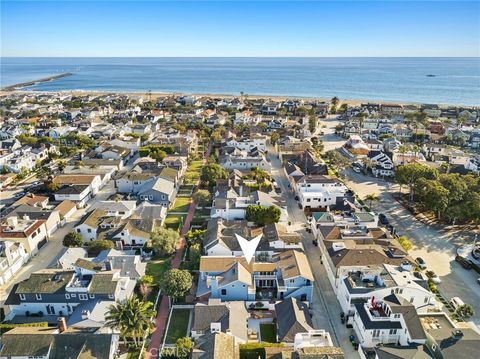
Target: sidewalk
point(162, 315)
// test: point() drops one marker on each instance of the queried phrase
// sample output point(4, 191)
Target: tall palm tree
point(371, 198)
point(132, 318)
point(403, 149)
point(335, 101)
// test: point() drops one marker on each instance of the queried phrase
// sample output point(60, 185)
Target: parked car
point(435, 278)
point(356, 169)
point(478, 280)
point(421, 263)
point(463, 262)
point(19, 195)
point(456, 302)
point(383, 219)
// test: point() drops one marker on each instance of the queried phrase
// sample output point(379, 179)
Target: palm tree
point(132, 318)
point(403, 149)
point(62, 164)
point(371, 198)
point(335, 101)
point(465, 311)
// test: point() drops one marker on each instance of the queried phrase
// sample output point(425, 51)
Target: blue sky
point(229, 28)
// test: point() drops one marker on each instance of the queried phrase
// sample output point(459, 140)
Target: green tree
point(465, 311)
point(73, 239)
point(146, 283)
point(405, 243)
point(158, 155)
point(432, 195)
point(335, 100)
point(336, 160)
point(132, 318)
point(98, 245)
point(176, 283)
point(263, 215)
point(312, 123)
point(195, 236)
point(184, 347)
point(53, 187)
point(61, 165)
point(164, 241)
point(274, 137)
point(409, 174)
point(202, 198)
point(212, 172)
point(372, 197)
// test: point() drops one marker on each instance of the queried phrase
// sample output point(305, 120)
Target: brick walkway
point(162, 314)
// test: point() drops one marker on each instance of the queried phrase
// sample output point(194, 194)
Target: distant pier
point(34, 82)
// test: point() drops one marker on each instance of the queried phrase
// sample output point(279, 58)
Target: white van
point(456, 302)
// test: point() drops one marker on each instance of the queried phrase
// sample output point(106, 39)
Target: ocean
point(455, 80)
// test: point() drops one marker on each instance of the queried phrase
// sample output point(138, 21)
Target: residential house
point(53, 343)
point(58, 292)
point(80, 194)
point(30, 233)
point(220, 317)
point(12, 257)
point(381, 164)
point(229, 278)
point(293, 318)
point(93, 181)
point(317, 191)
point(392, 319)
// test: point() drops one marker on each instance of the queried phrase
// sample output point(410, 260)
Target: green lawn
point(157, 267)
point(195, 166)
point(181, 204)
point(173, 221)
point(268, 333)
point(178, 325)
point(133, 354)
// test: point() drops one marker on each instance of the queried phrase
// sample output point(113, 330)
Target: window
point(376, 333)
point(78, 230)
point(82, 296)
point(67, 296)
point(111, 296)
point(425, 300)
point(92, 296)
point(308, 199)
point(393, 331)
point(223, 292)
point(89, 230)
point(73, 295)
point(38, 296)
point(22, 296)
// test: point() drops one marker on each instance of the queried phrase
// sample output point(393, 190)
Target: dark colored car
point(421, 263)
point(463, 262)
point(383, 219)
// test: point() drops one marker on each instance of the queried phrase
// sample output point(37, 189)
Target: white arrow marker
point(248, 246)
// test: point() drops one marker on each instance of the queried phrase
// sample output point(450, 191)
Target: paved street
point(433, 243)
point(48, 254)
point(325, 307)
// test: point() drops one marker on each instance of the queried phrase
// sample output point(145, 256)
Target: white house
point(318, 191)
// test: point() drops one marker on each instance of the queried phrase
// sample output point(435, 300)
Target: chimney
point(85, 314)
point(62, 324)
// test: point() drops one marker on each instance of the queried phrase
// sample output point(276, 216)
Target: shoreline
point(155, 95)
point(21, 85)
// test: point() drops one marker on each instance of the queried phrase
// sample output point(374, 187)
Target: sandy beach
point(156, 95)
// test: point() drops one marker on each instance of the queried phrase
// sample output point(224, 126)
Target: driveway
point(325, 307)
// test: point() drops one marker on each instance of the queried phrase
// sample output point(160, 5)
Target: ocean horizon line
point(241, 57)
